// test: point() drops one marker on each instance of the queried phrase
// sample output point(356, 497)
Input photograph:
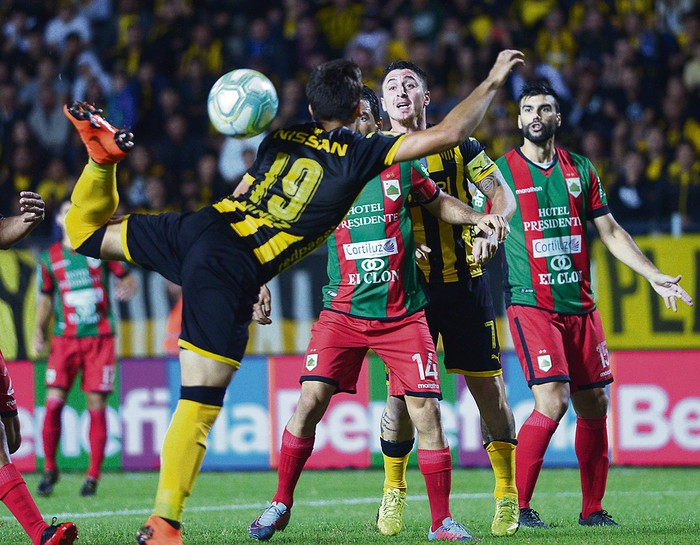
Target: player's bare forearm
point(44, 310)
point(453, 211)
point(623, 246)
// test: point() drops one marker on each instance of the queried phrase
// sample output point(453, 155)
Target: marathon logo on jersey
point(371, 249)
point(544, 362)
point(555, 246)
point(533, 189)
point(311, 361)
point(574, 186)
point(392, 189)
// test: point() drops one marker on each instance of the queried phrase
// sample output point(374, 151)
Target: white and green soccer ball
point(242, 103)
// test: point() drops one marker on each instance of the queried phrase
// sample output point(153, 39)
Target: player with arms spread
point(13, 489)
point(556, 328)
point(374, 300)
point(74, 289)
point(301, 185)
point(460, 309)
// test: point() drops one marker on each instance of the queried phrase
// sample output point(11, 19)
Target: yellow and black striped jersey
point(303, 182)
point(450, 258)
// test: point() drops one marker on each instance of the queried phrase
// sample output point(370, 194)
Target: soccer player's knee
point(78, 229)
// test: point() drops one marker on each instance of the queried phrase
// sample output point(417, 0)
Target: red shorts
point(8, 405)
point(340, 342)
point(94, 355)
point(555, 347)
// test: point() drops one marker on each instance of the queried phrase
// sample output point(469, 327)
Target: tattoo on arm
point(488, 185)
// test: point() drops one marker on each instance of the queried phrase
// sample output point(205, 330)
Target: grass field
point(656, 506)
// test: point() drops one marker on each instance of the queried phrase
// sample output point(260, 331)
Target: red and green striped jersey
point(372, 270)
point(453, 171)
point(80, 289)
point(546, 254)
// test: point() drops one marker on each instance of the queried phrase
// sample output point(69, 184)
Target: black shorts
point(462, 312)
point(218, 275)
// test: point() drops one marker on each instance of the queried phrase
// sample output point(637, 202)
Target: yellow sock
point(395, 472)
point(502, 456)
point(94, 199)
point(181, 458)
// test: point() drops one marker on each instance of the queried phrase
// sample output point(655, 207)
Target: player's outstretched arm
point(263, 308)
point(16, 228)
point(453, 211)
point(623, 247)
point(461, 121)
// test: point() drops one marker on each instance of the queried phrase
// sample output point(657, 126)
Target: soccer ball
point(242, 103)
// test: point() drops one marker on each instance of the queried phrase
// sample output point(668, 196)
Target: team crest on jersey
point(544, 362)
point(392, 189)
point(311, 361)
point(574, 186)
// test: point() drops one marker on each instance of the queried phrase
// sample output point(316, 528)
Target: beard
point(545, 134)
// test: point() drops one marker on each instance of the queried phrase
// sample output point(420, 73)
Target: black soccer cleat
point(529, 518)
point(89, 487)
point(47, 482)
point(599, 518)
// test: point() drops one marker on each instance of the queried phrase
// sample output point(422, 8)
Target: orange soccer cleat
point(64, 533)
point(157, 531)
point(105, 144)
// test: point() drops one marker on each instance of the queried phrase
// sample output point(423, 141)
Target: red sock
point(15, 495)
point(533, 441)
point(98, 441)
point(293, 455)
point(436, 467)
point(51, 432)
point(592, 452)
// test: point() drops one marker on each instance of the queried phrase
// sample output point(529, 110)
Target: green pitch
point(654, 505)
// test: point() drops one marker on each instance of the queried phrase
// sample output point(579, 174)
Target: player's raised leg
point(95, 198)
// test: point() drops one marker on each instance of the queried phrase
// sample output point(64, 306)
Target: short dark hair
point(407, 65)
point(538, 88)
point(334, 90)
point(371, 97)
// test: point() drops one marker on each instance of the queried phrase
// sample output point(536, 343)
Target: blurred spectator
point(656, 153)
point(55, 185)
point(232, 164)
point(684, 178)
point(46, 74)
point(205, 47)
point(555, 44)
point(47, 122)
point(632, 199)
point(89, 71)
point(178, 149)
point(338, 22)
point(67, 21)
point(121, 102)
point(594, 147)
point(426, 17)
point(18, 174)
point(402, 38)
point(372, 36)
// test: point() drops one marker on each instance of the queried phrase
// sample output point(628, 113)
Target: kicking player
point(13, 489)
point(556, 328)
point(74, 291)
point(460, 309)
point(374, 300)
point(302, 183)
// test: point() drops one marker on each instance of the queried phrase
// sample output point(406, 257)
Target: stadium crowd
point(627, 74)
